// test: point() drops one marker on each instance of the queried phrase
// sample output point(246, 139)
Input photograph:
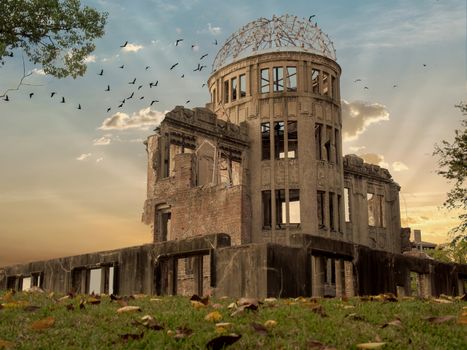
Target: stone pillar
point(349, 284)
point(198, 274)
point(460, 286)
point(424, 281)
point(340, 277)
point(318, 269)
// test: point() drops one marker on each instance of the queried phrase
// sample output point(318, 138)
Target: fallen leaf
point(232, 306)
point(197, 304)
point(93, 301)
point(349, 307)
point(81, 304)
point(223, 327)
point(370, 345)
point(442, 301)
point(214, 316)
point(4, 344)
point(128, 309)
point(270, 300)
point(204, 300)
point(270, 324)
point(183, 332)
point(258, 327)
point(155, 299)
point(31, 308)
point(248, 301)
point(314, 344)
point(35, 289)
point(440, 319)
point(463, 297)
point(15, 304)
point(132, 336)
point(149, 322)
point(43, 324)
point(170, 333)
point(396, 323)
point(223, 341)
point(66, 297)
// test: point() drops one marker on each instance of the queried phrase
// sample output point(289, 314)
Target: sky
point(74, 181)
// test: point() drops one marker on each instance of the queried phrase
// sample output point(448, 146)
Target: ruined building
point(251, 195)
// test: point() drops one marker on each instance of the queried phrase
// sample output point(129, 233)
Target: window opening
point(26, 283)
point(371, 202)
point(278, 79)
point(292, 139)
point(315, 81)
point(339, 203)
point(280, 208)
point(242, 85)
point(166, 156)
point(327, 143)
point(318, 140)
point(111, 280)
point(291, 78)
point(279, 151)
point(294, 207)
point(266, 199)
point(264, 80)
point(325, 83)
point(226, 91)
point(346, 205)
point(174, 150)
point(95, 281)
point(320, 197)
point(234, 89)
point(163, 221)
point(266, 141)
point(375, 210)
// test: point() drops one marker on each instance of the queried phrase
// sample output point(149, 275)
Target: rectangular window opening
point(266, 199)
point(95, 281)
point(174, 150)
point(278, 79)
point(242, 85)
point(226, 91)
point(346, 205)
point(370, 197)
point(292, 139)
point(315, 81)
point(264, 80)
point(327, 143)
point(291, 78)
point(326, 84)
point(339, 203)
point(318, 141)
point(111, 279)
point(234, 89)
point(320, 207)
point(265, 141)
point(279, 151)
point(280, 209)
point(26, 283)
point(294, 207)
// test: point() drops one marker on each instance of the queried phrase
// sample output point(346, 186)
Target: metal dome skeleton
point(279, 33)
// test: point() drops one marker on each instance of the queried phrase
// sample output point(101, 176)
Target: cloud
point(214, 30)
point(133, 47)
point(143, 119)
point(84, 156)
point(90, 58)
point(399, 166)
point(356, 148)
point(100, 159)
point(357, 116)
point(374, 158)
point(102, 141)
point(38, 71)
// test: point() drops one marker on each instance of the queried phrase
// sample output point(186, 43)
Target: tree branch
point(21, 82)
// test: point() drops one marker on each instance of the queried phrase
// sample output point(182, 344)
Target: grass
point(332, 322)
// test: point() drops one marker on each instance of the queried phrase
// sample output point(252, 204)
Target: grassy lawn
point(34, 320)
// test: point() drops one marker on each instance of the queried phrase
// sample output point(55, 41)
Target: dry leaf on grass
point(149, 322)
point(316, 345)
point(223, 327)
point(197, 304)
point(183, 332)
point(43, 324)
point(370, 345)
point(440, 319)
point(4, 344)
point(139, 296)
point(248, 301)
point(269, 324)
point(93, 301)
point(204, 300)
point(214, 316)
point(318, 309)
point(396, 323)
point(270, 300)
point(223, 341)
point(128, 309)
point(259, 328)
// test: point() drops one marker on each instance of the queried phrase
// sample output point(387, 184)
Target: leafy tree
point(57, 34)
point(452, 160)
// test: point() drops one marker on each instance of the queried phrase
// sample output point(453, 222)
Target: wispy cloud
point(357, 116)
point(143, 119)
point(84, 156)
point(90, 58)
point(213, 30)
point(103, 141)
point(130, 47)
point(100, 159)
point(356, 148)
point(399, 166)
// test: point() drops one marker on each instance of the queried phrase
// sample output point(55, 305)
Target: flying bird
point(108, 88)
point(178, 40)
point(183, 75)
point(153, 101)
point(126, 42)
point(151, 84)
point(63, 100)
point(366, 87)
point(31, 94)
point(147, 67)
point(187, 102)
point(101, 73)
point(215, 42)
point(394, 86)
point(142, 97)
point(131, 96)
point(52, 94)
point(203, 85)
point(6, 98)
point(108, 109)
point(123, 101)
point(424, 65)
point(132, 82)
point(79, 106)
point(122, 66)
point(194, 70)
point(201, 68)
point(309, 18)
point(120, 105)
point(203, 56)
point(139, 87)
point(357, 80)
point(174, 65)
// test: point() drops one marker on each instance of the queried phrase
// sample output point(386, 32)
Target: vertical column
point(104, 280)
point(425, 285)
point(198, 274)
point(340, 278)
point(317, 278)
point(172, 276)
point(349, 284)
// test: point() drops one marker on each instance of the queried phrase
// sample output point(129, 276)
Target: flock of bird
point(136, 87)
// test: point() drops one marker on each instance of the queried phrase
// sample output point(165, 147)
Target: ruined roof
point(284, 33)
point(355, 164)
